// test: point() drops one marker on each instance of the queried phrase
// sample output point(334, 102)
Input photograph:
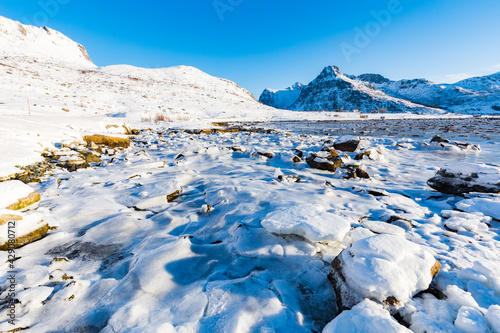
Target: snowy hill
point(332, 90)
point(51, 91)
point(18, 40)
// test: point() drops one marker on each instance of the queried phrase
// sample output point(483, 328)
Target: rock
point(268, 155)
point(28, 229)
point(73, 164)
point(172, 196)
point(372, 154)
point(466, 177)
point(384, 268)
point(298, 152)
point(401, 222)
point(4, 218)
point(466, 145)
point(296, 159)
point(328, 164)
point(26, 239)
point(15, 195)
point(92, 158)
point(239, 149)
point(437, 138)
point(289, 178)
point(108, 141)
point(349, 144)
point(366, 317)
point(356, 172)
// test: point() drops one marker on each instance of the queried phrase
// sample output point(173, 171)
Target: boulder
point(384, 268)
point(328, 163)
point(349, 144)
point(15, 195)
point(462, 178)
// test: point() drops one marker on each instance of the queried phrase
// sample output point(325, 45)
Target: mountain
point(281, 98)
point(332, 90)
point(18, 40)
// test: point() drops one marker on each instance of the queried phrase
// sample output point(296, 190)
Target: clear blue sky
point(275, 43)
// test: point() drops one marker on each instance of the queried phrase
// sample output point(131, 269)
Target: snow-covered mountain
point(332, 90)
point(281, 98)
point(18, 40)
point(474, 95)
point(477, 95)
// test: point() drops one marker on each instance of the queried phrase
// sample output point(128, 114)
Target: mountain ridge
point(474, 95)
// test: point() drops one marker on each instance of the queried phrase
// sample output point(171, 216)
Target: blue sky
point(275, 43)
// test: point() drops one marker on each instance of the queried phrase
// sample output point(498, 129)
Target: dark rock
point(328, 164)
point(349, 145)
point(355, 172)
point(296, 159)
point(459, 183)
point(437, 138)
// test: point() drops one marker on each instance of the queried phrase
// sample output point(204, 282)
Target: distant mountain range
point(332, 90)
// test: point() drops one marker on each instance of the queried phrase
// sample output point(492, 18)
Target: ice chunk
point(309, 221)
point(493, 318)
point(365, 317)
point(470, 320)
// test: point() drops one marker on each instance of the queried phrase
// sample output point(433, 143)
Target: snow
point(385, 265)
point(11, 191)
point(487, 206)
point(471, 320)
point(367, 317)
point(239, 250)
point(39, 43)
point(493, 317)
point(309, 221)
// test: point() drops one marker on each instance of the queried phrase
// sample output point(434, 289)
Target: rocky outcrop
point(384, 268)
point(466, 177)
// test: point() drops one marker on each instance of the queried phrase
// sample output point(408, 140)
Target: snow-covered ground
point(232, 231)
point(241, 250)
